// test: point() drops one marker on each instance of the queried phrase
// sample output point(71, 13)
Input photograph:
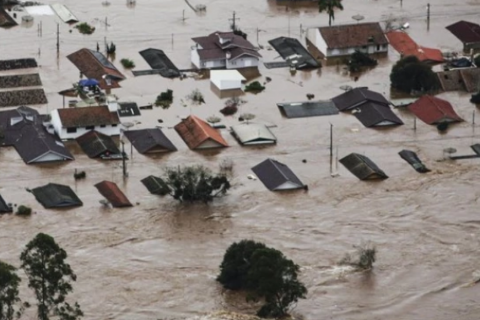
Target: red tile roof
point(405, 45)
point(213, 49)
point(194, 131)
point(113, 194)
point(353, 35)
point(433, 110)
point(87, 116)
point(465, 31)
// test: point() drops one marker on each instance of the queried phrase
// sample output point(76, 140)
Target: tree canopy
point(49, 276)
point(10, 304)
point(409, 74)
point(329, 7)
point(266, 273)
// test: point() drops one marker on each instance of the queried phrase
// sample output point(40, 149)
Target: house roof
point(95, 65)
point(294, 52)
point(155, 185)
point(274, 174)
point(372, 114)
point(55, 195)
point(4, 207)
point(212, 49)
point(405, 45)
point(113, 194)
point(357, 96)
point(146, 140)
point(64, 13)
point(467, 79)
point(158, 60)
point(87, 116)
point(362, 167)
point(253, 133)
point(466, 32)
point(353, 35)
point(128, 109)
point(6, 20)
point(194, 131)
point(226, 75)
point(95, 144)
point(307, 109)
point(34, 142)
point(412, 158)
point(12, 121)
point(432, 110)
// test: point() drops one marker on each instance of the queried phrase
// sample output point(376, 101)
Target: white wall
point(224, 84)
point(320, 42)
point(195, 58)
point(243, 62)
point(214, 64)
point(208, 144)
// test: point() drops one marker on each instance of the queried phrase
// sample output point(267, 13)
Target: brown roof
point(405, 45)
point(213, 49)
point(6, 20)
point(113, 194)
point(95, 65)
point(433, 110)
point(194, 131)
point(460, 79)
point(87, 116)
point(353, 35)
point(465, 31)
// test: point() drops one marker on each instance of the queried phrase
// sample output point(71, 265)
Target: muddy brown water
point(159, 258)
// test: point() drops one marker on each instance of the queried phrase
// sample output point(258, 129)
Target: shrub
point(85, 28)
point(127, 63)
point(363, 259)
point(254, 87)
point(229, 110)
point(195, 97)
point(359, 60)
point(475, 98)
point(165, 99)
point(442, 126)
point(24, 210)
point(111, 49)
point(409, 75)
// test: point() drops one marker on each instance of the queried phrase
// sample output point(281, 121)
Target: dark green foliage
point(363, 259)
point(359, 60)
point(11, 306)
point(127, 63)
point(442, 126)
point(475, 98)
point(24, 210)
point(195, 184)
point(111, 49)
point(254, 87)
point(85, 28)
point(79, 175)
point(165, 99)
point(229, 110)
point(265, 273)
point(476, 60)
point(329, 7)
point(43, 261)
point(409, 75)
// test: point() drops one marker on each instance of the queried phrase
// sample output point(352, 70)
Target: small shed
point(155, 185)
point(277, 176)
point(227, 79)
point(249, 134)
point(147, 141)
point(362, 167)
point(113, 194)
point(55, 195)
point(97, 145)
point(4, 207)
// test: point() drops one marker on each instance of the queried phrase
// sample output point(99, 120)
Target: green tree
point(43, 260)
point(265, 273)
point(329, 7)
point(410, 74)
point(194, 184)
point(11, 306)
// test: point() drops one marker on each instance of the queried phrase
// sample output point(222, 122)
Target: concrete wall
point(224, 84)
point(319, 42)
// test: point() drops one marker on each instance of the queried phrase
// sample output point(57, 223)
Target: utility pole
point(172, 41)
point(415, 124)
point(183, 16)
point(331, 147)
point(260, 30)
point(428, 16)
point(106, 23)
point(234, 19)
point(58, 38)
point(124, 164)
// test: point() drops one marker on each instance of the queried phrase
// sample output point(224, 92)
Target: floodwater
point(159, 259)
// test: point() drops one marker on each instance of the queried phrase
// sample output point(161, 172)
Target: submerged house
point(433, 110)
point(198, 134)
point(5, 207)
point(70, 123)
point(113, 194)
point(55, 195)
point(343, 40)
point(294, 53)
point(149, 141)
point(468, 33)
point(277, 176)
point(155, 185)
point(98, 145)
point(460, 79)
point(406, 46)
point(362, 167)
point(249, 134)
point(224, 50)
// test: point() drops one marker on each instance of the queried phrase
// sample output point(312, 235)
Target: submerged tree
point(329, 7)
point(364, 257)
point(43, 260)
point(11, 306)
point(265, 273)
point(410, 74)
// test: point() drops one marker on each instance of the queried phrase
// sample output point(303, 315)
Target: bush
point(24, 210)
point(127, 63)
point(229, 110)
point(476, 60)
point(442, 126)
point(363, 259)
point(195, 97)
point(359, 60)
point(475, 98)
point(409, 75)
point(165, 99)
point(85, 28)
point(254, 87)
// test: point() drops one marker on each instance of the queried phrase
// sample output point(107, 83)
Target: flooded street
point(159, 259)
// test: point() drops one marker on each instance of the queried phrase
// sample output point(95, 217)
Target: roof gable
point(362, 167)
point(113, 194)
point(432, 110)
point(4, 207)
point(353, 35)
point(253, 132)
point(274, 174)
point(405, 45)
point(155, 185)
point(194, 131)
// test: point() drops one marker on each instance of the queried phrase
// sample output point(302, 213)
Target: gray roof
point(253, 134)
point(155, 185)
point(12, 122)
point(128, 109)
point(277, 176)
point(294, 52)
point(96, 144)
point(157, 59)
point(362, 167)
point(372, 114)
point(476, 148)
point(357, 96)
point(55, 195)
point(307, 109)
point(4, 207)
point(149, 140)
point(412, 158)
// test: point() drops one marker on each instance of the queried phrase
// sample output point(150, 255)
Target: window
point(378, 47)
point(89, 127)
point(71, 130)
point(114, 125)
point(233, 63)
point(102, 126)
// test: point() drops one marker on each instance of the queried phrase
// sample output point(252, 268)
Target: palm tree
point(329, 7)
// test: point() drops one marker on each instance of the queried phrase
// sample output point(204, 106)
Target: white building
point(224, 50)
point(343, 40)
point(70, 123)
point(226, 79)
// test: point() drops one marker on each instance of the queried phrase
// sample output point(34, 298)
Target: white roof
point(44, 10)
point(226, 75)
point(63, 12)
point(253, 133)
